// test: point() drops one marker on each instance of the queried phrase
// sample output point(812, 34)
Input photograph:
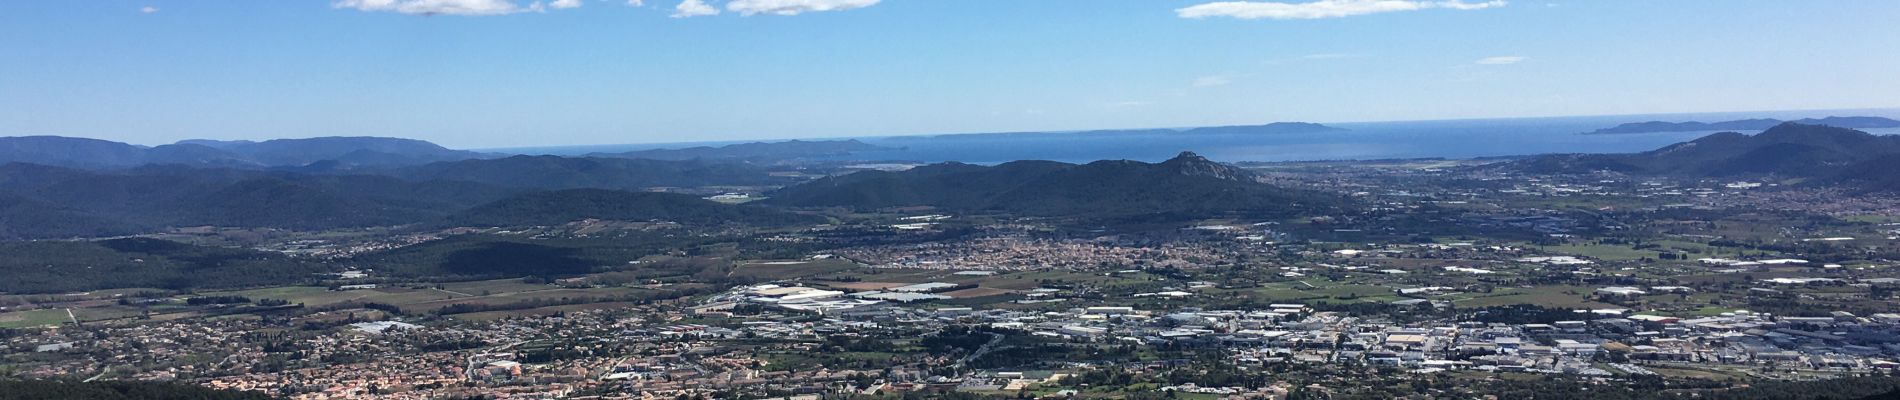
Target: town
point(1531, 277)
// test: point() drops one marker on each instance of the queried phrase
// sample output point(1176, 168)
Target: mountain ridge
point(349, 150)
point(151, 198)
point(562, 206)
point(1268, 128)
point(1753, 124)
point(753, 151)
point(556, 172)
point(1789, 149)
point(1186, 184)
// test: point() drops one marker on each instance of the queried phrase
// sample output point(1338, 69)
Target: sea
point(1467, 138)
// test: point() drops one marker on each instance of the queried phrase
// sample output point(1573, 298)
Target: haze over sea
point(1359, 141)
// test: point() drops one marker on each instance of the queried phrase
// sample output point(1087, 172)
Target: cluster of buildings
point(823, 301)
point(753, 336)
point(1628, 343)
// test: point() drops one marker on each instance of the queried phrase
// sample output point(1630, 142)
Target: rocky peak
point(1190, 164)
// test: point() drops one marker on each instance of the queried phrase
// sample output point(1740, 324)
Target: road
point(980, 351)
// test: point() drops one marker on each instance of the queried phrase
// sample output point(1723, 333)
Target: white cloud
point(433, 7)
point(564, 4)
point(1500, 60)
point(636, 3)
point(1213, 80)
point(693, 8)
point(1462, 5)
point(1322, 8)
point(148, 10)
point(794, 7)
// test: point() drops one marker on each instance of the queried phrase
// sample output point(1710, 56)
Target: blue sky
point(495, 73)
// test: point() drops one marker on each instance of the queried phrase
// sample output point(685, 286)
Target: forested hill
point(757, 151)
point(352, 151)
point(117, 390)
point(71, 266)
point(39, 201)
point(553, 172)
point(1788, 150)
point(1186, 184)
point(562, 206)
point(1276, 128)
point(1745, 125)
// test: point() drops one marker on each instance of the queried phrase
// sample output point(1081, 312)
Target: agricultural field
point(1605, 252)
point(313, 296)
point(34, 318)
point(549, 310)
point(1545, 296)
point(513, 297)
point(785, 269)
point(413, 300)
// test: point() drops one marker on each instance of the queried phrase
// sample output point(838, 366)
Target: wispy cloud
point(1213, 80)
point(434, 7)
point(794, 7)
point(1500, 60)
point(564, 4)
point(693, 8)
point(148, 10)
point(1322, 8)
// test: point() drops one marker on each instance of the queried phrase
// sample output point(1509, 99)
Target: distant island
point(1277, 127)
point(1755, 124)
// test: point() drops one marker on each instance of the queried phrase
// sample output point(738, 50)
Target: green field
point(308, 295)
point(34, 318)
point(1872, 218)
point(1279, 294)
point(106, 313)
point(478, 292)
point(424, 305)
point(788, 269)
point(494, 315)
point(1606, 252)
point(1547, 296)
point(478, 288)
point(412, 300)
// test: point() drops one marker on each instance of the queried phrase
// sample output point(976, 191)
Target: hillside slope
point(552, 172)
point(40, 201)
point(562, 206)
point(1185, 185)
point(1788, 150)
